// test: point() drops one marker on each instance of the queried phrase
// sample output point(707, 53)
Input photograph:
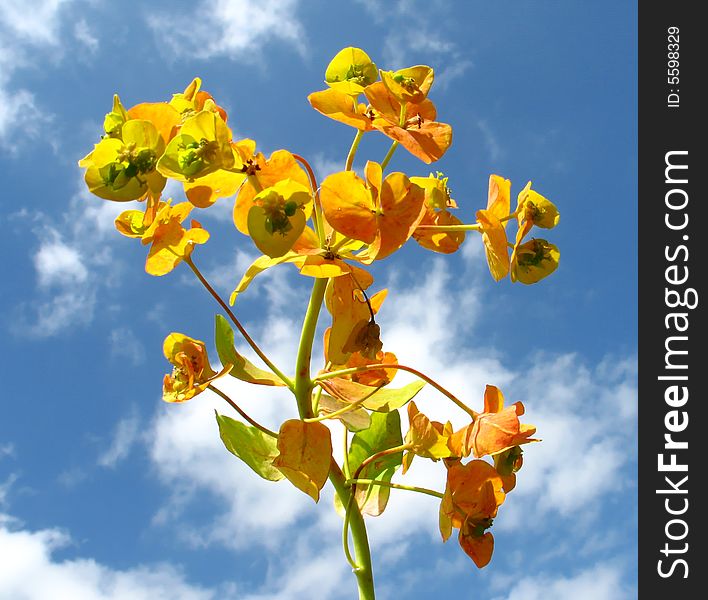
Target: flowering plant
point(332, 232)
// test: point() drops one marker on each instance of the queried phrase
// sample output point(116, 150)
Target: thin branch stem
point(389, 155)
point(395, 486)
point(373, 367)
point(377, 455)
point(317, 217)
point(352, 510)
point(339, 412)
point(352, 151)
point(285, 379)
point(241, 412)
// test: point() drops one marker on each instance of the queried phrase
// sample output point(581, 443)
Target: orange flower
point(375, 377)
point(192, 373)
point(412, 125)
point(380, 213)
point(493, 229)
point(353, 326)
point(428, 439)
point(471, 500)
point(495, 430)
point(437, 202)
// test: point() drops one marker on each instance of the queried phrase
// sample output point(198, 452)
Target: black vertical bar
point(673, 359)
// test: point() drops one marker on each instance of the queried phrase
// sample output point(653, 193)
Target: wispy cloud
point(229, 28)
point(26, 29)
point(125, 345)
point(71, 268)
point(86, 37)
point(491, 141)
point(125, 436)
point(409, 38)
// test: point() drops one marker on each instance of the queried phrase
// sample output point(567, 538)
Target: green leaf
point(251, 445)
point(387, 399)
point(384, 433)
point(381, 400)
point(262, 263)
point(354, 420)
point(242, 369)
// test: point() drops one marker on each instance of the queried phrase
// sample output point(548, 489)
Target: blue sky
point(108, 493)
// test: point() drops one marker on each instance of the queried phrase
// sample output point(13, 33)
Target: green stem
point(396, 486)
point(389, 155)
point(285, 379)
point(240, 411)
point(303, 383)
point(352, 151)
point(345, 460)
point(362, 564)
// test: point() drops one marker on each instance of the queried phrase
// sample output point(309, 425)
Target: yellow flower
point(113, 122)
point(409, 85)
point(350, 71)
point(194, 99)
point(533, 209)
point(123, 169)
point(202, 146)
point(534, 260)
point(192, 372)
point(171, 243)
point(278, 216)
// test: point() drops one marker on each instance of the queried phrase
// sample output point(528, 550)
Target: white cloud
point(230, 28)
point(31, 572)
point(72, 267)
point(36, 23)
point(66, 286)
point(603, 580)
point(323, 166)
point(57, 263)
point(586, 419)
point(584, 415)
point(57, 313)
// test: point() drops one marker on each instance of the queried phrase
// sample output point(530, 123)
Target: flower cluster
point(331, 232)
